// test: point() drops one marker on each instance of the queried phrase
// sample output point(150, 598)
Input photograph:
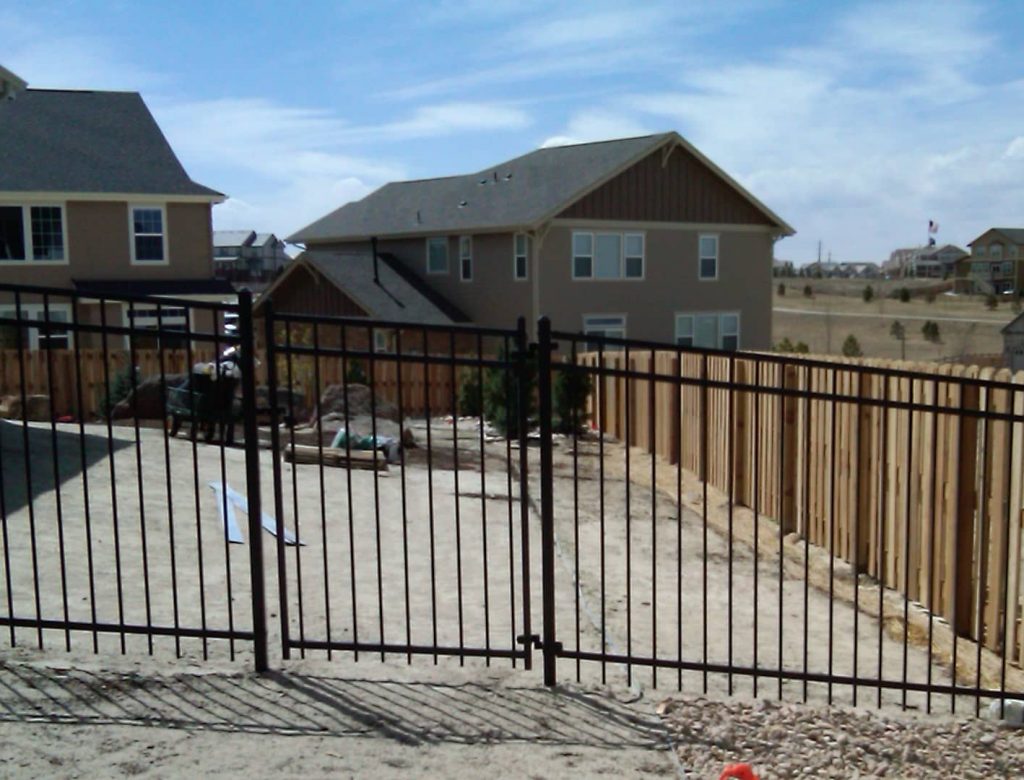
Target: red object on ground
point(738, 772)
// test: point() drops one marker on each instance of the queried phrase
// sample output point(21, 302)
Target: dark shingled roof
point(399, 297)
point(68, 141)
point(521, 192)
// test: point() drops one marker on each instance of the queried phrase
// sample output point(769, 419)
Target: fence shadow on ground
point(300, 704)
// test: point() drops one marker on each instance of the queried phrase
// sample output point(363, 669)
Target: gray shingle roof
point(1016, 235)
point(519, 192)
point(67, 141)
point(232, 237)
point(394, 299)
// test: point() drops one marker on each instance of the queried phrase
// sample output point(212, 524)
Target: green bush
point(904, 295)
point(869, 293)
point(355, 374)
point(930, 331)
point(781, 289)
point(897, 331)
point(808, 292)
point(991, 302)
point(470, 398)
point(569, 393)
point(851, 347)
point(501, 396)
point(786, 345)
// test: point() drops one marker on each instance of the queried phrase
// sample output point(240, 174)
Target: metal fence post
point(247, 356)
point(547, 520)
point(522, 391)
point(269, 339)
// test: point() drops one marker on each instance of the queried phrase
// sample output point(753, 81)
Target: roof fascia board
point(134, 197)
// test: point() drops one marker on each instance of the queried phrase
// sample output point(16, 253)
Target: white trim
point(131, 233)
point(134, 197)
point(605, 315)
point(638, 225)
point(700, 256)
point(26, 227)
point(33, 330)
point(593, 256)
point(515, 257)
point(463, 258)
point(447, 248)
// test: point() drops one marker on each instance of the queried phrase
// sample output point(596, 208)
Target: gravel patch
point(797, 740)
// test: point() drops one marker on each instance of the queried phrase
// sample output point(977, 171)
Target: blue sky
point(857, 122)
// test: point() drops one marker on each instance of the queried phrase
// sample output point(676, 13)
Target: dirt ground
point(966, 326)
point(427, 556)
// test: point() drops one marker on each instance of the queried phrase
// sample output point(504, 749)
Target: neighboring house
point(245, 256)
point(783, 268)
point(860, 270)
point(638, 237)
point(93, 198)
point(822, 269)
point(994, 265)
point(925, 262)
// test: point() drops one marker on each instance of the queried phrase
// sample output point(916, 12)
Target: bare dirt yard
point(837, 309)
point(430, 553)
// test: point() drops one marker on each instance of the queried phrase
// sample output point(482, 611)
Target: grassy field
point(836, 309)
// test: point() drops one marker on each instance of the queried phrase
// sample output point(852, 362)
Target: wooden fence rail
point(922, 495)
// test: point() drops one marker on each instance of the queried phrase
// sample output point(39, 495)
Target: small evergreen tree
point(781, 289)
point(930, 331)
point(808, 292)
point(801, 348)
point(869, 293)
point(569, 393)
point(991, 302)
point(898, 332)
point(501, 396)
point(785, 345)
point(851, 347)
point(470, 400)
point(904, 295)
point(355, 374)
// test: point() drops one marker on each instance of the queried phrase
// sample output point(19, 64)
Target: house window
point(148, 235)
point(437, 255)
point(996, 251)
point(33, 233)
point(51, 333)
point(708, 263)
point(466, 258)
point(604, 326)
point(714, 330)
point(979, 250)
point(521, 257)
point(1007, 268)
point(1011, 250)
point(608, 255)
point(383, 340)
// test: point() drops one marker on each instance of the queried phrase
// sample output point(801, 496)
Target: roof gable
point(87, 142)
point(1013, 235)
point(519, 193)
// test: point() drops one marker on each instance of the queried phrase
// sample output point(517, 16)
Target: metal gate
point(411, 533)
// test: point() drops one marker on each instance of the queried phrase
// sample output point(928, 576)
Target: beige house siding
point(670, 283)
point(684, 189)
point(99, 246)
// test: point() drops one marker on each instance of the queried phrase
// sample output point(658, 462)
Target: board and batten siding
point(684, 189)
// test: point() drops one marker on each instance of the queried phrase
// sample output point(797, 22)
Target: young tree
point(781, 289)
point(991, 302)
point(904, 295)
point(808, 292)
point(869, 293)
point(851, 347)
point(930, 331)
point(898, 332)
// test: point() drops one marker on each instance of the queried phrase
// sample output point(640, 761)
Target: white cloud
point(1015, 149)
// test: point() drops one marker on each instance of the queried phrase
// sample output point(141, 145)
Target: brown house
point(994, 265)
point(639, 237)
point(93, 199)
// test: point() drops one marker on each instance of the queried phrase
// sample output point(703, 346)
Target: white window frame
point(33, 313)
point(516, 255)
point(26, 227)
point(587, 326)
point(465, 255)
point(701, 256)
point(132, 207)
point(692, 316)
point(447, 267)
point(622, 236)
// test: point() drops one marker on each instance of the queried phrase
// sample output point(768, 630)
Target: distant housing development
point(640, 236)
point(248, 257)
point(928, 262)
point(994, 265)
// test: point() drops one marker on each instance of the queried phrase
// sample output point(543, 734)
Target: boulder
point(296, 407)
point(146, 400)
point(38, 408)
point(360, 402)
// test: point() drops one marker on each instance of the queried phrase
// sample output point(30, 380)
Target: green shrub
point(355, 374)
point(569, 393)
point(869, 293)
point(808, 292)
point(930, 331)
point(851, 347)
point(501, 396)
point(904, 295)
point(470, 398)
point(781, 289)
point(991, 302)
point(897, 331)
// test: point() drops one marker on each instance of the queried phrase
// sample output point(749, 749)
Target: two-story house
point(93, 199)
point(638, 237)
point(247, 257)
point(994, 265)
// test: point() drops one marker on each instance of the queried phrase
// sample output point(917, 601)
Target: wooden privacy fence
point(58, 373)
point(916, 479)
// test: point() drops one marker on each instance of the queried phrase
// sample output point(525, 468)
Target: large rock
point(146, 401)
point(38, 408)
point(296, 408)
point(360, 402)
